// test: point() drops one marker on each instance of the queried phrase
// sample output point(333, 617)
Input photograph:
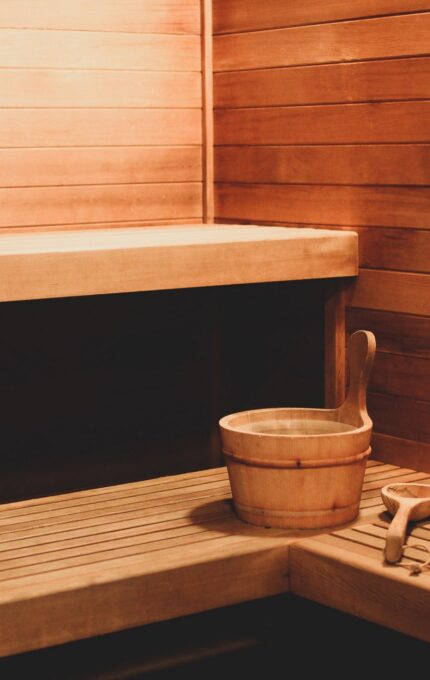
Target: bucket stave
point(303, 468)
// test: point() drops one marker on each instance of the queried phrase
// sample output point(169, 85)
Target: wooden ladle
point(405, 502)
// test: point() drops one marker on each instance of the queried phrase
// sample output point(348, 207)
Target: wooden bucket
point(303, 468)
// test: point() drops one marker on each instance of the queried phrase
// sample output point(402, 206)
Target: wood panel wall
point(322, 118)
point(100, 112)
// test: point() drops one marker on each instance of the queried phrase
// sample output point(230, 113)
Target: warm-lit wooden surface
point(342, 41)
point(150, 16)
point(102, 560)
point(208, 126)
point(85, 563)
point(100, 112)
point(87, 262)
point(250, 15)
point(321, 117)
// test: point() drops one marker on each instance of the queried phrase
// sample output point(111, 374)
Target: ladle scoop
point(405, 502)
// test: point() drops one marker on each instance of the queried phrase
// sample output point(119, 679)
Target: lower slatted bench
point(82, 564)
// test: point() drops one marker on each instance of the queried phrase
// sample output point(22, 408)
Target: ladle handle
point(396, 535)
point(361, 353)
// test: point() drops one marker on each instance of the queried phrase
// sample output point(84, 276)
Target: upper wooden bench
point(48, 264)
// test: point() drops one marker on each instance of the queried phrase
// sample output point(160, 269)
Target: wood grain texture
point(392, 36)
point(399, 249)
point(208, 121)
point(397, 333)
point(330, 124)
point(383, 206)
point(334, 345)
point(82, 226)
point(50, 264)
point(393, 79)
point(83, 89)
point(37, 49)
point(400, 416)
point(32, 206)
point(98, 165)
point(391, 449)
point(346, 570)
point(130, 16)
point(126, 565)
point(94, 89)
point(349, 164)
point(249, 15)
point(393, 292)
point(401, 375)
point(102, 127)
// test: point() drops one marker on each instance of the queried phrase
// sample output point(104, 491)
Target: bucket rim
point(224, 424)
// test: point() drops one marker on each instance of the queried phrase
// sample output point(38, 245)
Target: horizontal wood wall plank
point(234, 16)
point(400, 416)
point(401, 375)
point(329, 124)
point(393, 292)
point(399, 249)
point(384, 206)
point(122, 89)
point(68, 205)
point(97, 165)
point(93, 50)
point(106, 224)
point(349, 164)
point(392, 79)
point(392, 449)
point(401, 333)
point(99, 127)
point(394, 36)
point(125, 76)
point(134, 16)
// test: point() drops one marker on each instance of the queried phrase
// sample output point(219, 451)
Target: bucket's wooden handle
point(396, 535)
point(361, 353)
